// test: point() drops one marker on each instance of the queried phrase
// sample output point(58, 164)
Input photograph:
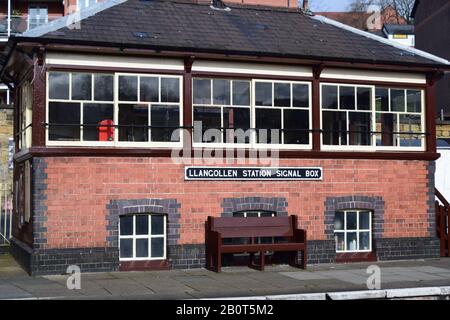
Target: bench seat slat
point(241, 248)
point(245, 232)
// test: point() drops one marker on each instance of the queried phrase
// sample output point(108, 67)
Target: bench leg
point(218, 262)
point(251, 258)
point(261, 257)
point(293, 259)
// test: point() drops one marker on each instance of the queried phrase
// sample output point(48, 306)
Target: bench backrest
point(253, 227)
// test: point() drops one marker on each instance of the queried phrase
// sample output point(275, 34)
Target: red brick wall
point(79, 188)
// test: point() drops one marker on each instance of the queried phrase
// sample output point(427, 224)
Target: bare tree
point(402, 8)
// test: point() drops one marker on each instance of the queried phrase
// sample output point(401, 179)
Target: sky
point(328, 5)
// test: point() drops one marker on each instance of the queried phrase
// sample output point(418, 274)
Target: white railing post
point(9, 18)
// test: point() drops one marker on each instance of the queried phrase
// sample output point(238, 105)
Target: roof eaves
point(71, 20)
point(414, 51)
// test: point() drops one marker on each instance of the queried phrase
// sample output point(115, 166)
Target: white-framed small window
point(81, 4)
point(142, 237)
point(25, 115)
point(353, 231)
point(370, 117)
point(37, 16)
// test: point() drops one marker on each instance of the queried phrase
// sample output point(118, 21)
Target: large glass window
point(282, 112)
point(399, 117)
point(142, 237)
point(353, 230)
point(221, 110)
point(80, 107)
point(149, 108)
point(371, 116)
point(84, 107)
point(25, 115)
point(346, 115)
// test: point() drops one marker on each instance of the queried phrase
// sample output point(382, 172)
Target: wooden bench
point(287, 237)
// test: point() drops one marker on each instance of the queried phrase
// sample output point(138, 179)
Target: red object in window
point(106, 130)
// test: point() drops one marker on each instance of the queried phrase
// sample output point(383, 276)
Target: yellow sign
point(400, 36)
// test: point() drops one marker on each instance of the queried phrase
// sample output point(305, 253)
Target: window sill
point(344, 257)
point(144, 265)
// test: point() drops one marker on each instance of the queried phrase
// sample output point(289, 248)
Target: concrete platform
point(336, 281)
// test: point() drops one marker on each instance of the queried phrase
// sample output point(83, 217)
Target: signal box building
point(121, 118)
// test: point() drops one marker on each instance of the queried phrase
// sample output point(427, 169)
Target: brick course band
point(275, 204)
point(407, 248)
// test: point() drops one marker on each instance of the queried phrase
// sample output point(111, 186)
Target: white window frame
point(253, 137)
point(37, 6)
point(115, 103)
point(221, 107)
point(148, 236)
point(373, 146)
point(86, 4)
point(26, 114)
point(357, 231)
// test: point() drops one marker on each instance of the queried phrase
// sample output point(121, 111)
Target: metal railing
point(442, 223)
point(18, 24)
point(6, 209)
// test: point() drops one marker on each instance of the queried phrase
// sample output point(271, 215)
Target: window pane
point(81, 86)
point(128, 88)
point(157, 224)
point(101, 115)
point(386, 124)
point(141, 248)
point(382, 99)
point(221, 92)
point(410, 123)
point(397, 100)
point(126, 248)
point(263, 93)
point(334, 128)
point(300, 94)
point(141, 224)
point(414, 100)
point(170, 90)
point(339, 220)
point(351, 241)
point(347, 98)
point(351, 221)
point(64, 120)
point(238, 214)
point(238, 120)
point(364, 98)
point(149, 89)
point(210, 119)
point(134, 118)
point(157, 247)
point(329, 97)
point(165, 116)
point(294, 121)
point(364, 241)
point(58, 85)
point(359, 127)
point(126, 225)
point(266, 214)
point(364, 220)
point(241, 93)
point(202, 91)
point(267, 119)
point(252, 214)
point(339, 237)
point(282, 94)
point(103, 87)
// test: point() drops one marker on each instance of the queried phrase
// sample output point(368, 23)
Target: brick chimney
point(267, 3)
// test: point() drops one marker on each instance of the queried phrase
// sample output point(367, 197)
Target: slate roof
point(181, 25)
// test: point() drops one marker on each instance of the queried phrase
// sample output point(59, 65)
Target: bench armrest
point(300, 235)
